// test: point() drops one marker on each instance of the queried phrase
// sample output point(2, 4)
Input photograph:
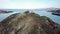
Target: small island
point(3, 11)
point(55, 12)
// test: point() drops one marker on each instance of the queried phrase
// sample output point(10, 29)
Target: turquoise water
point(40, 12)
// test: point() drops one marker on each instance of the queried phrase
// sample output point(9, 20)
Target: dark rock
point(2, 11)
point(58, 14)
point(30, 23)
point(55, 12)
point(26, 12)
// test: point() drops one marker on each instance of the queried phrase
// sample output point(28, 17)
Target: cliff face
point(28, 23)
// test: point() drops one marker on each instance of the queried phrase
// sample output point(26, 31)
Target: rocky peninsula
point(28, 23)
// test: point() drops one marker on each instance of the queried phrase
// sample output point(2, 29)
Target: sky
point(29, 4)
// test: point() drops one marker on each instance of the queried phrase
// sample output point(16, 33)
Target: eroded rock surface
point(28, 23)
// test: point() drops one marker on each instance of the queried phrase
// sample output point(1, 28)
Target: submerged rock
point(28, 23)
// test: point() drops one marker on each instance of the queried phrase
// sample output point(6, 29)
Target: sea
point(37, 11)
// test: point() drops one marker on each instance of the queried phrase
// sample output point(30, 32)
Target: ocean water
point(40, 12)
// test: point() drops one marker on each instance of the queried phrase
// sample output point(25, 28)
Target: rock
point(55, 12)
point(2, 11)
point(58, 14)
point(26, 12)
point(30, 23)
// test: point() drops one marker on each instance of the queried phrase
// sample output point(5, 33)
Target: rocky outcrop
point(28, 23)
point(55, 12)
point(2, 11)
